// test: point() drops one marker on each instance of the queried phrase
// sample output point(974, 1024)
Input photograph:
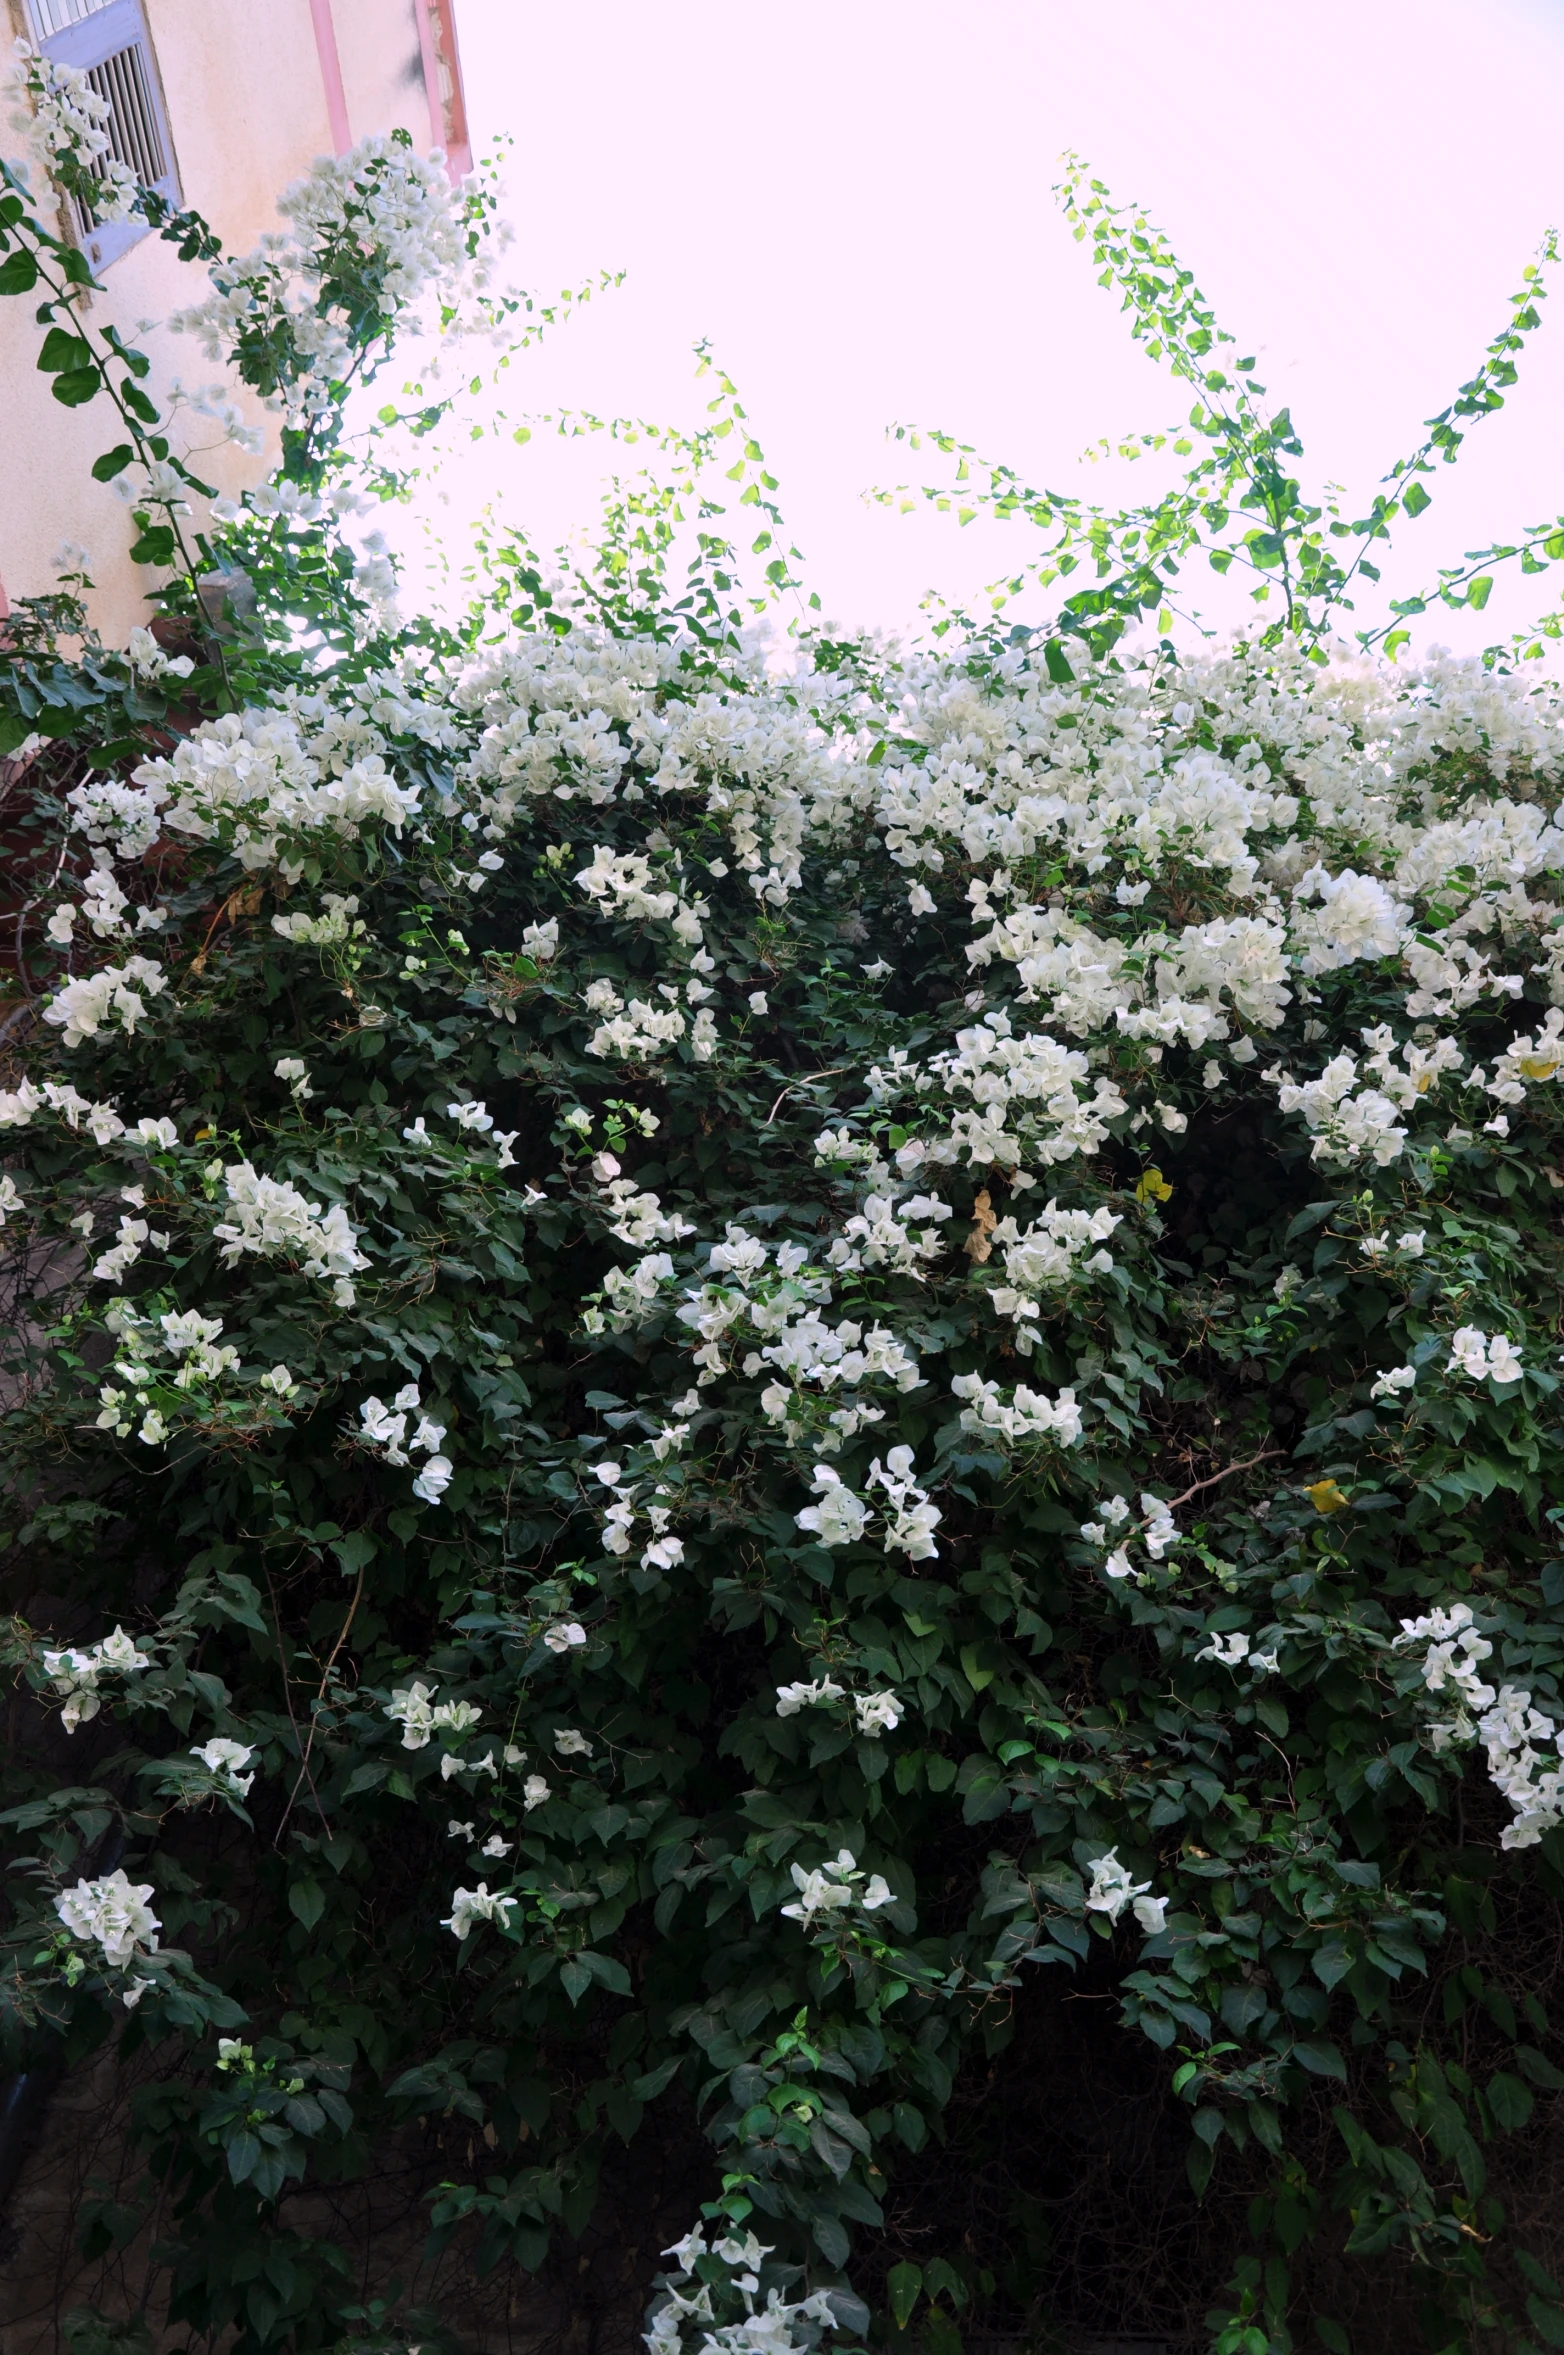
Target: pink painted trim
point(5, 603)
point(447, 115)
point(331, 75)
point(431, 64)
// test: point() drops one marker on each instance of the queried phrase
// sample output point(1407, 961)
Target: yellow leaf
point(1538, 1066)
point(1326, 1497)
point(1153, 1187)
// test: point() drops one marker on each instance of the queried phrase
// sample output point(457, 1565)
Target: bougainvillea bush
point(728, 1345)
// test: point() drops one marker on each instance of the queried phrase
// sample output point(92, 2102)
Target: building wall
point(249, 97)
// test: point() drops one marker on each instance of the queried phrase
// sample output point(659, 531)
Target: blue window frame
point(108, 41)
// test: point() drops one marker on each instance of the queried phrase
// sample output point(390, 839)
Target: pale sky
point(851, 198)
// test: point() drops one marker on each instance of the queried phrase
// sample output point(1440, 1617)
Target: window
point(108, 41)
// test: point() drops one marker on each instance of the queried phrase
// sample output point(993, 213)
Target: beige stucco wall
point(247, 112)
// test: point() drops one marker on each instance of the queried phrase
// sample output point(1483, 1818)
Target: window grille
point(107, 40)
point(52, 16)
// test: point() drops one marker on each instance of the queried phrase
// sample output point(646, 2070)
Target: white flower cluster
point(114, 1914)
point(113, 997)
point(1046, 1256)
point(104, 903)
point(75, 1674)
point(186, 1336)
point(273, 1219)
point(1156, 1530)
point(1112, 1889)
point(477, 1905)
point(842, 1517)
point(61, 118)
point(19, 1106)
point(876, 1713)
point(339, 921)
point(627, 1498)
point(685, 2318)
point(1028, 1097)
point(1027, 1414)
point(413, 1707)
point(1505, 1720)
point(378, 213)
point(901, 1237)
point(833, 1888)
point(1473, 1354)
point(257, 779)
point(386, 1427)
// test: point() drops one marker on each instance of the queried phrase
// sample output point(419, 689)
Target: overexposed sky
point(851, 198)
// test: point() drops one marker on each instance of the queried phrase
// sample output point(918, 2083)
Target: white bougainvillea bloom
point(412, 1707)
point(1111, 1888)
point(571, 1743)
point(791, 1698)
point(271, 1218)
point(228, 1759)
point(114, 998)
point(114, 1913)
point(840, 1517)
point(477, 1905)
point(878, 1713)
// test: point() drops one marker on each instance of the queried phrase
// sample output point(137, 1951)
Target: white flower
point(534, 1791)
point(472, 1115)
point(757, 1001)
point(1111, 1887)
point(273, 1219)
point(227, 1758)
point(1228, 1650)
point(1118, 1564)
point(413, 1707)
point(476, 1905)
point(496, 1847)
point(293, 1070)
point(565, 1635)
point(920, 900)
point(435, 1478)
point(572, 1744)
point(840, 1517)
point(791, 1698)
point(1152, 1914)
point(1392, 1381)
point(877, 1713)
point(114, 1913)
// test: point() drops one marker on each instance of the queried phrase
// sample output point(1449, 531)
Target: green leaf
point(1510, 2101)
point(1414, 498)
point(60, 350)
point(76, 386)
point(307, 1901)
point(904, 2287)
point(18, 272)
point(1322, 2059)
point(112, 462)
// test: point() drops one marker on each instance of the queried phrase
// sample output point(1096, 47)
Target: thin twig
point(803, 1081)
point(325, 1679)
point(1217, 1478)
point(304, 1768)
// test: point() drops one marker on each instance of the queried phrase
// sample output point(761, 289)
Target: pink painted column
point(443, 84)
point(331, 74)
